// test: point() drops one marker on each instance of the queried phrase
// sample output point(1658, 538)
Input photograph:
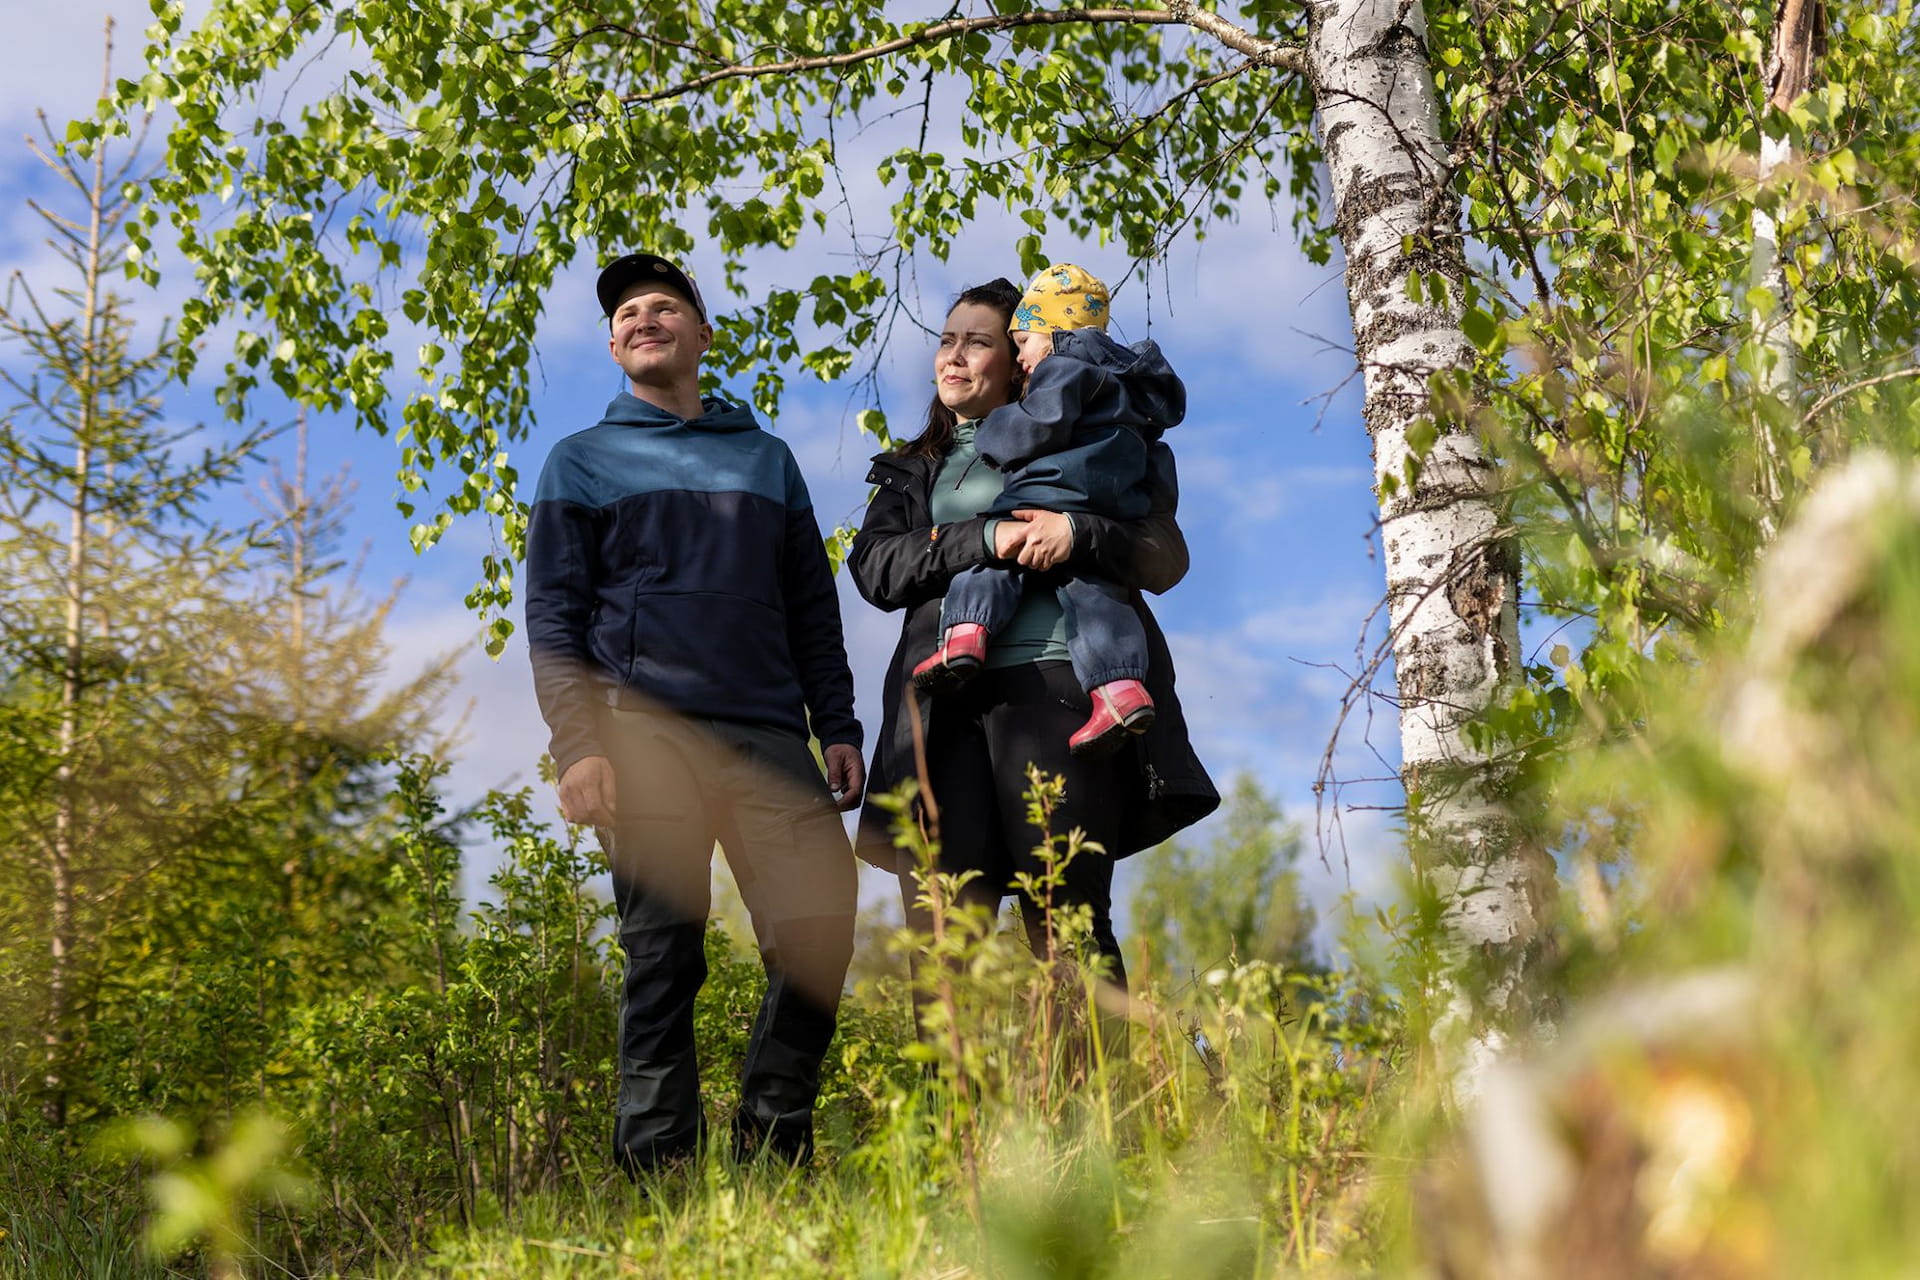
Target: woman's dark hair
point(1003, 296)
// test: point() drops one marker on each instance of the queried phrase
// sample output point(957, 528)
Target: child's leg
point(1108, 646)
point(1105, 638)
point(979, 601)
point(986, 596)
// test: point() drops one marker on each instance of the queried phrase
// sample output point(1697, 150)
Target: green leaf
point(1483, 331)
point(1032, 260)
point(1421, 437)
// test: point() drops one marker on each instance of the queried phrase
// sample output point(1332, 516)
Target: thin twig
point(1262, 52)
point(1825, 402)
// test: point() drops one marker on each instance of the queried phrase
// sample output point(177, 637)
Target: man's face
point(658, 337)
point(1032, 346)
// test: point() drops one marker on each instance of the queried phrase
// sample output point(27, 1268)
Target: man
point(685, 637)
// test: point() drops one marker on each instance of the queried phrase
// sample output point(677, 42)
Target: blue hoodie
point(679, 560)
point(1085, 436)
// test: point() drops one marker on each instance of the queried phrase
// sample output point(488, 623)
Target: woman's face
point(973, 367)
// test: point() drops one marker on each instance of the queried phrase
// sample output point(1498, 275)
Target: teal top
point(963, 488)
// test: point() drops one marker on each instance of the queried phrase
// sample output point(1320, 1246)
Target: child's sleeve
point(1042, 421)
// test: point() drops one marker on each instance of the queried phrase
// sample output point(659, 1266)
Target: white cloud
point(54, 50)
point(1326, 624)
point(1249, 465)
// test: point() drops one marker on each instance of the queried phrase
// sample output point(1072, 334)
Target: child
point(1081, 439)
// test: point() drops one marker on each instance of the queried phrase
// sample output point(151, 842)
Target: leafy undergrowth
point(454, 1121)
point(1242, 1158)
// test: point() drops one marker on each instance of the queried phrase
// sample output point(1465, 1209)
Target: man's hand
point(586, 792)
point(1008, 537)
point(846, 774)
point(1049, 539)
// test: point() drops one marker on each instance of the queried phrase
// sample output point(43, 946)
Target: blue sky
point(1276, 480)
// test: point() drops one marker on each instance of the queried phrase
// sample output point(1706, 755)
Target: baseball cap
point(623, 273)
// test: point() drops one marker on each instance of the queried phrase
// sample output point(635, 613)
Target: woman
point(922, 528)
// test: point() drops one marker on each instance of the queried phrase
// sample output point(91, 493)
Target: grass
point(1131, 1155)
point(1156, 1163)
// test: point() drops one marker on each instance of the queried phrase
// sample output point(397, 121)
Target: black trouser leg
point(960, 773)
point(1040, 706)
point(975, 893)
point(1088, 882)
point(791, 859)
point(1031, 724)
point(981, 741)
point(780, 1079)
point(657, 1117)
point(661, 854)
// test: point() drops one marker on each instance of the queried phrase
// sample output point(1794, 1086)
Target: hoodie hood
point(1152, 388)
point(629, 410)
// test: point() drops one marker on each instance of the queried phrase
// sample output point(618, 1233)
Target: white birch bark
point(1798, 36)
point(1773, 344)
point(1775, 373)
point(1451, 574)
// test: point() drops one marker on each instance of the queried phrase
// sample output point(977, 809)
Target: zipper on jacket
point(1156, 785)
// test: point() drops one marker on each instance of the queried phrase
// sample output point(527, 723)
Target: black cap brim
point(623, 273)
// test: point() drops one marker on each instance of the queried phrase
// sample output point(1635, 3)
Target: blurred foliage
point(1727, 1089)
point(208, 1198)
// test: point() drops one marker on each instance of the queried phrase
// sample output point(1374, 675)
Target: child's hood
point(1153, 390)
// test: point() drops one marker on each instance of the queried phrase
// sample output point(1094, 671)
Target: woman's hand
point(1048, 541)
point(1009, 536)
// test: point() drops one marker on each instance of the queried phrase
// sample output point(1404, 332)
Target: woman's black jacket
point(900, 560)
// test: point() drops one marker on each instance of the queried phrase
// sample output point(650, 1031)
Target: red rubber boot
point(1120, 707)
point(962, 651)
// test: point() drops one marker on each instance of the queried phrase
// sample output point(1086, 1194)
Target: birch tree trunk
point(1799, 37)
point(1452, 574)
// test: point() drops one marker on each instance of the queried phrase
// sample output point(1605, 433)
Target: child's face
point(1031, 347)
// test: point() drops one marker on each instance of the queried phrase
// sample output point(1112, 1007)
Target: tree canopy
point(441, 163)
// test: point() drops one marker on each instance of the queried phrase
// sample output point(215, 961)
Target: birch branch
point(1827, 401)
point(1265, 53)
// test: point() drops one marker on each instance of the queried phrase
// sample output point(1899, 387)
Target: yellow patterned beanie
point(1061, 297)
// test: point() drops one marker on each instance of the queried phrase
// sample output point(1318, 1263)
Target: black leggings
point(980, 740)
